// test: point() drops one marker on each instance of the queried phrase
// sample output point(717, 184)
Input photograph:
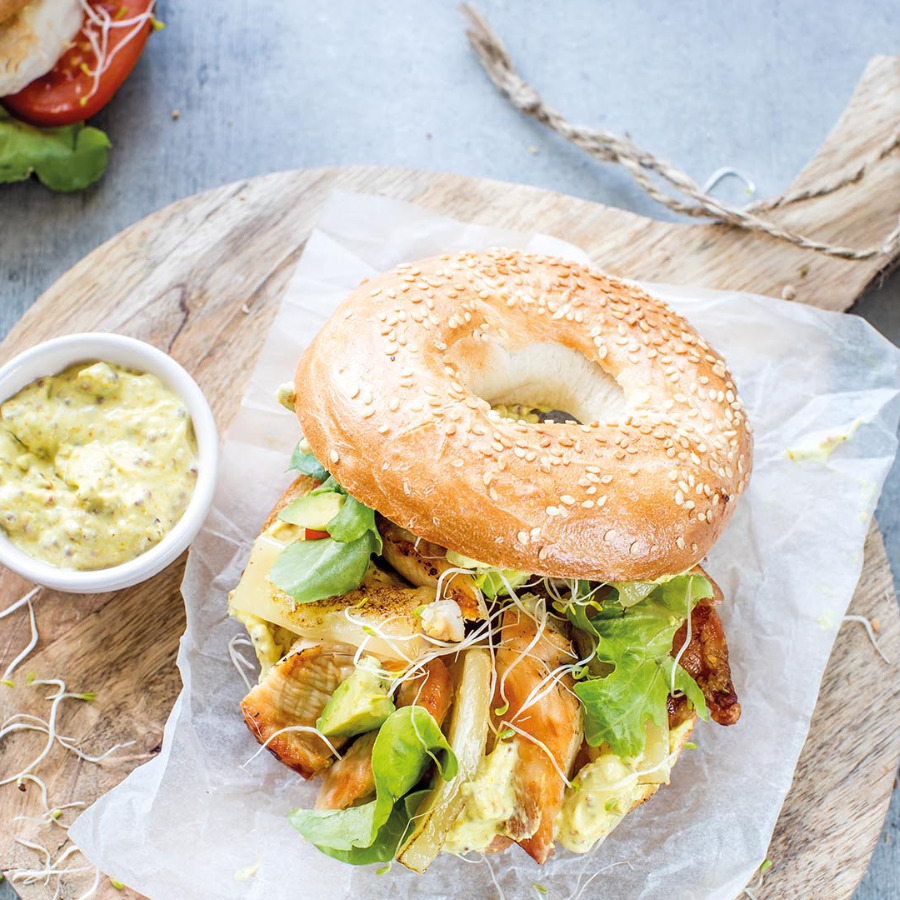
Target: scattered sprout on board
point(53, 816)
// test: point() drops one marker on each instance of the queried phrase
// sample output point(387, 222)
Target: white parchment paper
point(182, 826)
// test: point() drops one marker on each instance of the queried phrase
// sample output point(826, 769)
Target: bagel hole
point(553, 381)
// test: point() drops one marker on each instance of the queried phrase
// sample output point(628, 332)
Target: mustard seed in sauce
point(97, 465)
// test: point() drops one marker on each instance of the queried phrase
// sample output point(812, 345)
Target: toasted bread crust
point(8, 8)
point(404, 420)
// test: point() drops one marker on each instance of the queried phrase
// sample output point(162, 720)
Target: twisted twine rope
point(641, 165)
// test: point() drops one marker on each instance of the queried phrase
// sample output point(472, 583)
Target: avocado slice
point(314, 511)
point(361, 702)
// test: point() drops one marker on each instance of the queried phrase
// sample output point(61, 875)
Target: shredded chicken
point(555, 720)
point(548, 732)
point(706, 661)
point(350, 779)
point(421, 563)
point(295, 692)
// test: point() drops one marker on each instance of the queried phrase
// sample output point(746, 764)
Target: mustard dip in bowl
point(108, 459)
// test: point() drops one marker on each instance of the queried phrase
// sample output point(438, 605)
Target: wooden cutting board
point(202, 280)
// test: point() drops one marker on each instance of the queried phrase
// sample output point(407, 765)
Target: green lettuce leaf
point(353, 522)
point(635, 643)
point(407, 743)
point(315, 570)
point(389, 837)
point(669, 589)
point(64, 159)
point(492, 582)
point(307, 464)
point(673, 594)
point(631, 592)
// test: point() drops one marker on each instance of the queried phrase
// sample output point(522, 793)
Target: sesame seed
point(334, 456)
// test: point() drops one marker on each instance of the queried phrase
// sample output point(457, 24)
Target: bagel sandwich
point(479, 609)
point(61, 62)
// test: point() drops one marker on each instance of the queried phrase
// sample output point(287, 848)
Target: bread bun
point(33, 36)
point(394, 396)
point(8, 8)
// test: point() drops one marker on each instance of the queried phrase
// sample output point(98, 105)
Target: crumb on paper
point(788, 292)
point(175, 114)
point(247, 872)
point(826, 620)
point(245, 310)
point(533, 150)
point(822, 449)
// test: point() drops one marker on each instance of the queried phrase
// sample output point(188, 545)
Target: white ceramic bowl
point(55, 355)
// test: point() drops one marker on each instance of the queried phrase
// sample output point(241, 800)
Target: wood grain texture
point(202, 279)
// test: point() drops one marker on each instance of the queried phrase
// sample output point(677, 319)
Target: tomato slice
point(66, 93)
point(312, 535)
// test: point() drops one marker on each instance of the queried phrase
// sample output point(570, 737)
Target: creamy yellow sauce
point(610, 786)
point(97, 465)
point(490, 802)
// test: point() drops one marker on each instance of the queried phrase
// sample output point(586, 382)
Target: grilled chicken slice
point(555, 720)
point(706, 661)
point(294, 693)
point(432, 689)
point(350, 779)
point(421, 563)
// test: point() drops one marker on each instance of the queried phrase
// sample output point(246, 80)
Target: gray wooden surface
point(262, 88)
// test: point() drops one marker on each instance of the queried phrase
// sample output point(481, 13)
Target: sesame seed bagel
point(395, 397)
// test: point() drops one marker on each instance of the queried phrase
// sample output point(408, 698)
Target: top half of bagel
point(33, 36)
point(396, 397)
